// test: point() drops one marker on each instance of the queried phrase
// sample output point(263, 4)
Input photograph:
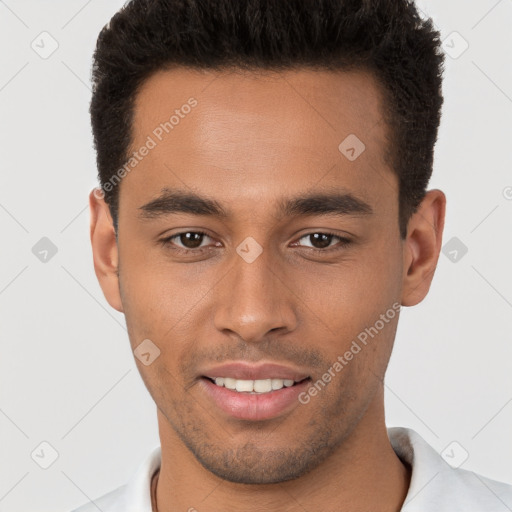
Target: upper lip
point(247, 371)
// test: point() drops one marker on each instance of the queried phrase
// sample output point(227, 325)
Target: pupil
point(187, 239)
point(193, 240)
point(321, 238)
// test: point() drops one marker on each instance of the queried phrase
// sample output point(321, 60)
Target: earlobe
point(104, 249)
point(422, 247)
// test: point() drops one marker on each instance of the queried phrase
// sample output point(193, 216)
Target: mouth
point(255, 387)
point(253, 400)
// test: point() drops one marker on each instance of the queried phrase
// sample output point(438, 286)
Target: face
point(247, 236)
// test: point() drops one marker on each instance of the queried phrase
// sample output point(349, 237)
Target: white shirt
point(435, 486)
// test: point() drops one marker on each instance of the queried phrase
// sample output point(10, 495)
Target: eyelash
point(166, 242)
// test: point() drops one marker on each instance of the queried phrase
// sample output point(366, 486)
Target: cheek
point(353, 310)
point(166, 304)
point(158, 293)
point(353, 293)
point(167, 301)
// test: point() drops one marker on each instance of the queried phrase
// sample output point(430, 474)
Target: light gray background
point(67, 375)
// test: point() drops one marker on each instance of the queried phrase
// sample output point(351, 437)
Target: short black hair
point(386, 37)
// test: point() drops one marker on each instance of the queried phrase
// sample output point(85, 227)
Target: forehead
point(259, 133)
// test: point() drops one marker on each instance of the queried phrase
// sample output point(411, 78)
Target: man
point(262, 217)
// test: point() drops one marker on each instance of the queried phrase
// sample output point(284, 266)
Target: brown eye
point(322, 241)
point(187, 240)
point(190, 240)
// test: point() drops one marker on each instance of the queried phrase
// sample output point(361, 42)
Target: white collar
point(435, 486)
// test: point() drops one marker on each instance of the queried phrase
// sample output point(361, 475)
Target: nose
point(254, 299)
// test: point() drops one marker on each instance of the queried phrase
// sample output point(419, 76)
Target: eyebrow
point(316, 203)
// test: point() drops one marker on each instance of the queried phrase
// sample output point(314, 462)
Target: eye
point(321, 241)
point(190, 241)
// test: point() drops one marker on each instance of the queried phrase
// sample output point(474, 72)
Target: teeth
point(262, 386)
point(253, 386)
point(277, 383)
point(229, 383)
point(245, 385)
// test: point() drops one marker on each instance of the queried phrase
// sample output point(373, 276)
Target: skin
point(252, 140)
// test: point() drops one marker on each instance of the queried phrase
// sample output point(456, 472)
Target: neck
point(363, 473)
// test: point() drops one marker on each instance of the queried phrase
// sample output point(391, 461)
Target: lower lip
point(246, 406)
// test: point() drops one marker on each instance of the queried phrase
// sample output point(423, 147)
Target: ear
point(422, 247)
point(104, 248)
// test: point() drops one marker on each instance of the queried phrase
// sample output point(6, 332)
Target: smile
point(255, 400)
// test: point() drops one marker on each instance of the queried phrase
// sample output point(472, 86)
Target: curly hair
point(386, 37)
